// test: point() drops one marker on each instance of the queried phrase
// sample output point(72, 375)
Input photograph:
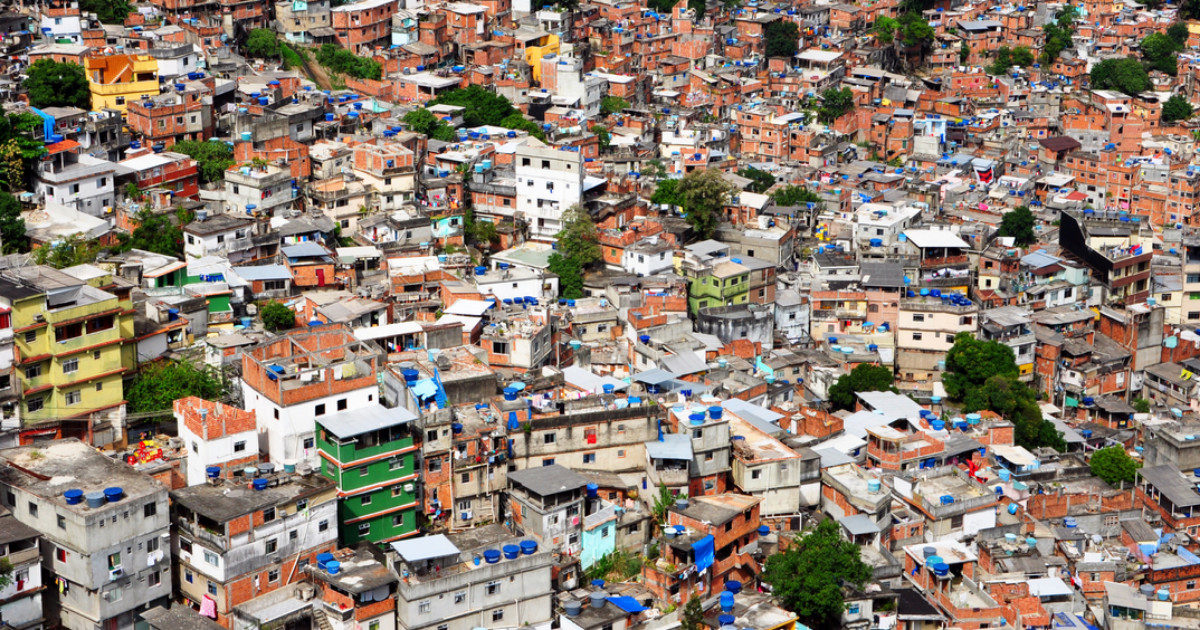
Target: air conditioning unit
point(115, 574)
point(408, 487)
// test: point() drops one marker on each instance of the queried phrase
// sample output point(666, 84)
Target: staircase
point(321, 620)
point(440, 397)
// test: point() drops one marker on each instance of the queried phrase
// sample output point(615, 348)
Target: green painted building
point(371, 455)
point(724, 284)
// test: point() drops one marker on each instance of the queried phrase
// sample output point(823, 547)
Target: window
point(498, 614)
point(60, 554)
point(755, 474)
point(35, 404)
point(152, 545)
point(155, 578)
point(239, 446)
point(549, 461)
point(212, 588)
point(114, 561)
point(301, 505)
point(211, 558)
point(364, 529)
point(272, 545)
point(319, 410)
point(466, 477)
point(492, 588)
point(366, 499)
point(548, 438)
point(309, 442)
point(396, 463)
point(341, 405)
point(435, 465)
point(918, 317)
point(268, 514)
point(589, 458)
point(62, 521)
point(323, 526)
point(70, 365)
point(423, 607)
point(273, 575)
point(460, 597)
point(916, 336)
point(33, 509)
point(621, 453)
point(73, 397)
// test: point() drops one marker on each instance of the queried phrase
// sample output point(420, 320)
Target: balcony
point(944, 261)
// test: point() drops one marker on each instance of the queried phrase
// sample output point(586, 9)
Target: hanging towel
point(208, 607)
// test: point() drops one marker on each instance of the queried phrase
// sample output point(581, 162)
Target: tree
point(1114, 465)
point(795, 196)
point(18, 149)
point(808, 578)
point(74, 250)
point(1141, 405)
point(1178, 32)
point(1189, 10)
point(54, 84)
point(159, 233)
point(835, 103)
point(602, 136)
point(12, 226)
point(662, 502)
point(422, 121)
point(1006, 58)
point(157, 386)
point(704, 193)
point(1160, 52)
point(1059, 34)
point(262, 43)
point(885, 30)
point(578, 238)
point(760, 180)
point(913, 30)
point(277, 316)
point(1176, 108)
point(964, 53)
point(1018, 223)
point(971, 362)
point(1002, 62)
point(863, 378)
point(343, 61)
point(612, 105)
point(108, 11)
point(983, 376)
point(213, 156)
point(570, 275)
point(667, 192)
point(1016, 402)
point(1124, 75)
point(693, 615)
point(1022, 56)
point(782, 38)
point(519, 122)
point(481, 106)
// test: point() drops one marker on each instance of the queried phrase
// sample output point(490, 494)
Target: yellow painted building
point(117, 80)
point(73, 344)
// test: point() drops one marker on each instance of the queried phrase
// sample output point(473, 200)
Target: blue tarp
point(424, 388)
point(627, 604)
point(704, 552)
point(47, 122)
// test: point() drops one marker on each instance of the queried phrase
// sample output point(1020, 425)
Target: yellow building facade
point(116, 80)
point(73, 344)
